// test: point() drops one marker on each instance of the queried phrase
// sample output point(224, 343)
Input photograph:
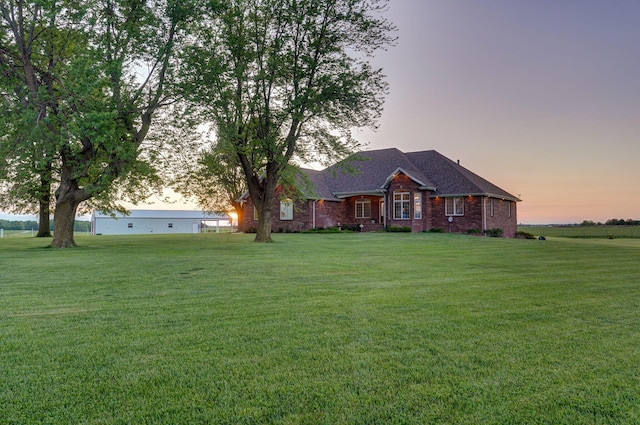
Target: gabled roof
point(450, 178)
point(372, 171)
point(164, 214)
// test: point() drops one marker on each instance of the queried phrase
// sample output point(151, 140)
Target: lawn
point(609, 232)
point(320, 329)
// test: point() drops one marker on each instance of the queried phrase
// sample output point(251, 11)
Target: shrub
point(436, 230)
point(406, 229)
point(351, 227)
point(496, 232)
point(524, 235)
point(474, 231)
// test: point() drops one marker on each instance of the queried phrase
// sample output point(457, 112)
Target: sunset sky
point(541, 97)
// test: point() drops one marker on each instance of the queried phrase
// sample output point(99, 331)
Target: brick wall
point(402, 183)
point(504, 216)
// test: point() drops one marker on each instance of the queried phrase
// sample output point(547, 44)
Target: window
point(255, 213)
point(130, 225)
point(454, 206)
point(363, 208)
point(509, 202)
point(286, 209)
point(170, 225)
point(417, 206)
point(491, 207)
point(401, 205)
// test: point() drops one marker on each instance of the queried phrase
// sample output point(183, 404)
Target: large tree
point(286, 80)
point(107, 73)
point(27, 61)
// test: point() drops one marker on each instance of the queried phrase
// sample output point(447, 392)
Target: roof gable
point(450, 178)
point(371, 172)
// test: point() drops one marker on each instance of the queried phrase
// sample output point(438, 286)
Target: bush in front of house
point(436, 230)
point(405, 229)
point(496, 232)
point(524, 235)
point(474, 231)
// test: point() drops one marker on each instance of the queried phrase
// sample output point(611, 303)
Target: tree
point(287, 80)
point(25, 145)
point(215, 179)
point(107, 75)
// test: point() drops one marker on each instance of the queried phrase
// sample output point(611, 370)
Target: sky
point(540, 97)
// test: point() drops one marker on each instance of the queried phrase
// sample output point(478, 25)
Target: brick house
point(422, 190)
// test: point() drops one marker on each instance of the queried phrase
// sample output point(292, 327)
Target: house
point(419, 190)
point(155, 221)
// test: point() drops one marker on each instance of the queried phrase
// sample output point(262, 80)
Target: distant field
point(354, 328)
point(18, 233)
point(584, 231)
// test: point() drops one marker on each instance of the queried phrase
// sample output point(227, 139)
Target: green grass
point(584, 231)
point(320, 329)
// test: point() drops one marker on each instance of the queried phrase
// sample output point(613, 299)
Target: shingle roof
point(450, 178)
point(372, 171)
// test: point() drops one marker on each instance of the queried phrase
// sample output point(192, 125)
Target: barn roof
point(165, 214)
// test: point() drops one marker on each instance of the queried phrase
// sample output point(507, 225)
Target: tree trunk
point(68, 197)
point(44, 204)
point(44, 225)
point(63, 223)
point(263, 232)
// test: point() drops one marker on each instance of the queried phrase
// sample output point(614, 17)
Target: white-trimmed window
point(454, 206)
point(509, 202)
point(286, 209)
point(417, 206)
point(363, 208)
point(255, 213)
point(401, 205)
point(491, 206)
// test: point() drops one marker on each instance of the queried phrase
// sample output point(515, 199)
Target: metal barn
point(155, 221)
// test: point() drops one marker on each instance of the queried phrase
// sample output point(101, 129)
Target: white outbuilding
point(156, 221)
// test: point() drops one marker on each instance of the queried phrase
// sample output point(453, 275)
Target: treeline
point(79, 226)
point(612, 222)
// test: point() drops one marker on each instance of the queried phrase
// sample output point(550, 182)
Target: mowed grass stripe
point(350, 328)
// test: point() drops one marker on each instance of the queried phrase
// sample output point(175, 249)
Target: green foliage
point(495, 232)
point(622, 222)
point(600, 231)
point(524, 235)
point(80, 101)
point(79, 225)
point(18, 225)
point(347, 328)
point(399, 229)
point(286, 81)
point(436, 230)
